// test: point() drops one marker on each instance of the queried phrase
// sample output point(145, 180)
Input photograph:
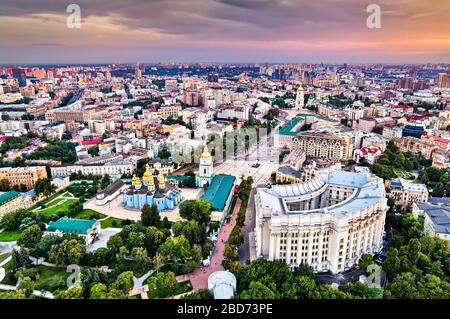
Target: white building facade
point(328, 222)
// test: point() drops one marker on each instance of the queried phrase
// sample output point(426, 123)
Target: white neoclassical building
point(327, 222)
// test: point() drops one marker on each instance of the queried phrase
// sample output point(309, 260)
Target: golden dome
point(148, 174)
point(136, 180)
point(161, 181)
point(300, 88)
point(205, 155)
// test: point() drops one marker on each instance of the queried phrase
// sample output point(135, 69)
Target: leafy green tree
point(199, 294)
point(164, 284)
point(153, 238)
point(5, 186)
point(150, 215)
point(141, 258)
point(176, 249)
point(392, 263)
point(360, 290)
point(26, 285)
point(301, 287)
point(13, 294)
point(198, 210)
point(20, 258)
point(98, 291)
point(68, 252)
point(44, 186)
point(365, 261)
point(100, 257)
point(439, 190)
point(257, 290)
point(403, 287)
point(399, 160)
point(189, 229)
point(114, 243)
point(43, 247)
point(72, 293)
point(13, 220)
point(433, 247)
point(124, 282)
point(30, 236)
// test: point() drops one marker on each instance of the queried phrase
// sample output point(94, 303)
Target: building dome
point(136, 180)
point(206, 156)
point(148, 177)
point(161, 181)
point(148, 174)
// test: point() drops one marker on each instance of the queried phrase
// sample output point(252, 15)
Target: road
point(249, 226)
point(199, 277)
point(351, 275)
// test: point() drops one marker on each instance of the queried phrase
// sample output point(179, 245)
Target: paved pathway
point(249, 226)
point(137, 282)
point(199, 277)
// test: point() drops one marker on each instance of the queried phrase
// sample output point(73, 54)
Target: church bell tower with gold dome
point(205, 169)
point(300, 97)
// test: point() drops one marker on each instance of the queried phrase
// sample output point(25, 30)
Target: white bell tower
point(300, 98)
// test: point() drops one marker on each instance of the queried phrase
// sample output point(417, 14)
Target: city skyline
point(227, 31)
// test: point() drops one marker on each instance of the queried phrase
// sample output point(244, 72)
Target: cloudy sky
point(35, 31)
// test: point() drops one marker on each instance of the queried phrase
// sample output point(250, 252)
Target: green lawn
point(10, 235)
point(60, 205)
point(181, 288)
point(50, 278)
point(402, 173)
point(51, 198)
point(89, 214)
point(110, 221)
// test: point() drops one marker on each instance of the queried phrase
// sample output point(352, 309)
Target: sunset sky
point(413, 31)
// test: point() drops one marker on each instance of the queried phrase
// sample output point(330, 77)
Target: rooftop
point(218, 191)
point(6, 197)
point(439, 215)
point(71, 225)
point(289, 127)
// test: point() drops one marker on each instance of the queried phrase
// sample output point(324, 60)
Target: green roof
point(6, 197)
point(179, 178)
point(71, 225)
point(218, 191)
point(287, 129)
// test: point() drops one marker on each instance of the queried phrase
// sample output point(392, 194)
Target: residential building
point(436, 220)
point(85, 228)
point(112, 169)
point(12, 201)
point(405, 192)
point(23, 175)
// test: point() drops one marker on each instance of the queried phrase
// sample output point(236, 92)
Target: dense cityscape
point(219, 181)
point(224, 158)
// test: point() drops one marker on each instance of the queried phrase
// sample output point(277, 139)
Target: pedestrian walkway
point(199, 277)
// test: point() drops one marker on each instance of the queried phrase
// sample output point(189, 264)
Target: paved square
point(114, 208)
point(260, 175)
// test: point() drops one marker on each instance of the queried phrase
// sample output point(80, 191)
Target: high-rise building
point(19, 74)
point(444, 80)
point(138, 73)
